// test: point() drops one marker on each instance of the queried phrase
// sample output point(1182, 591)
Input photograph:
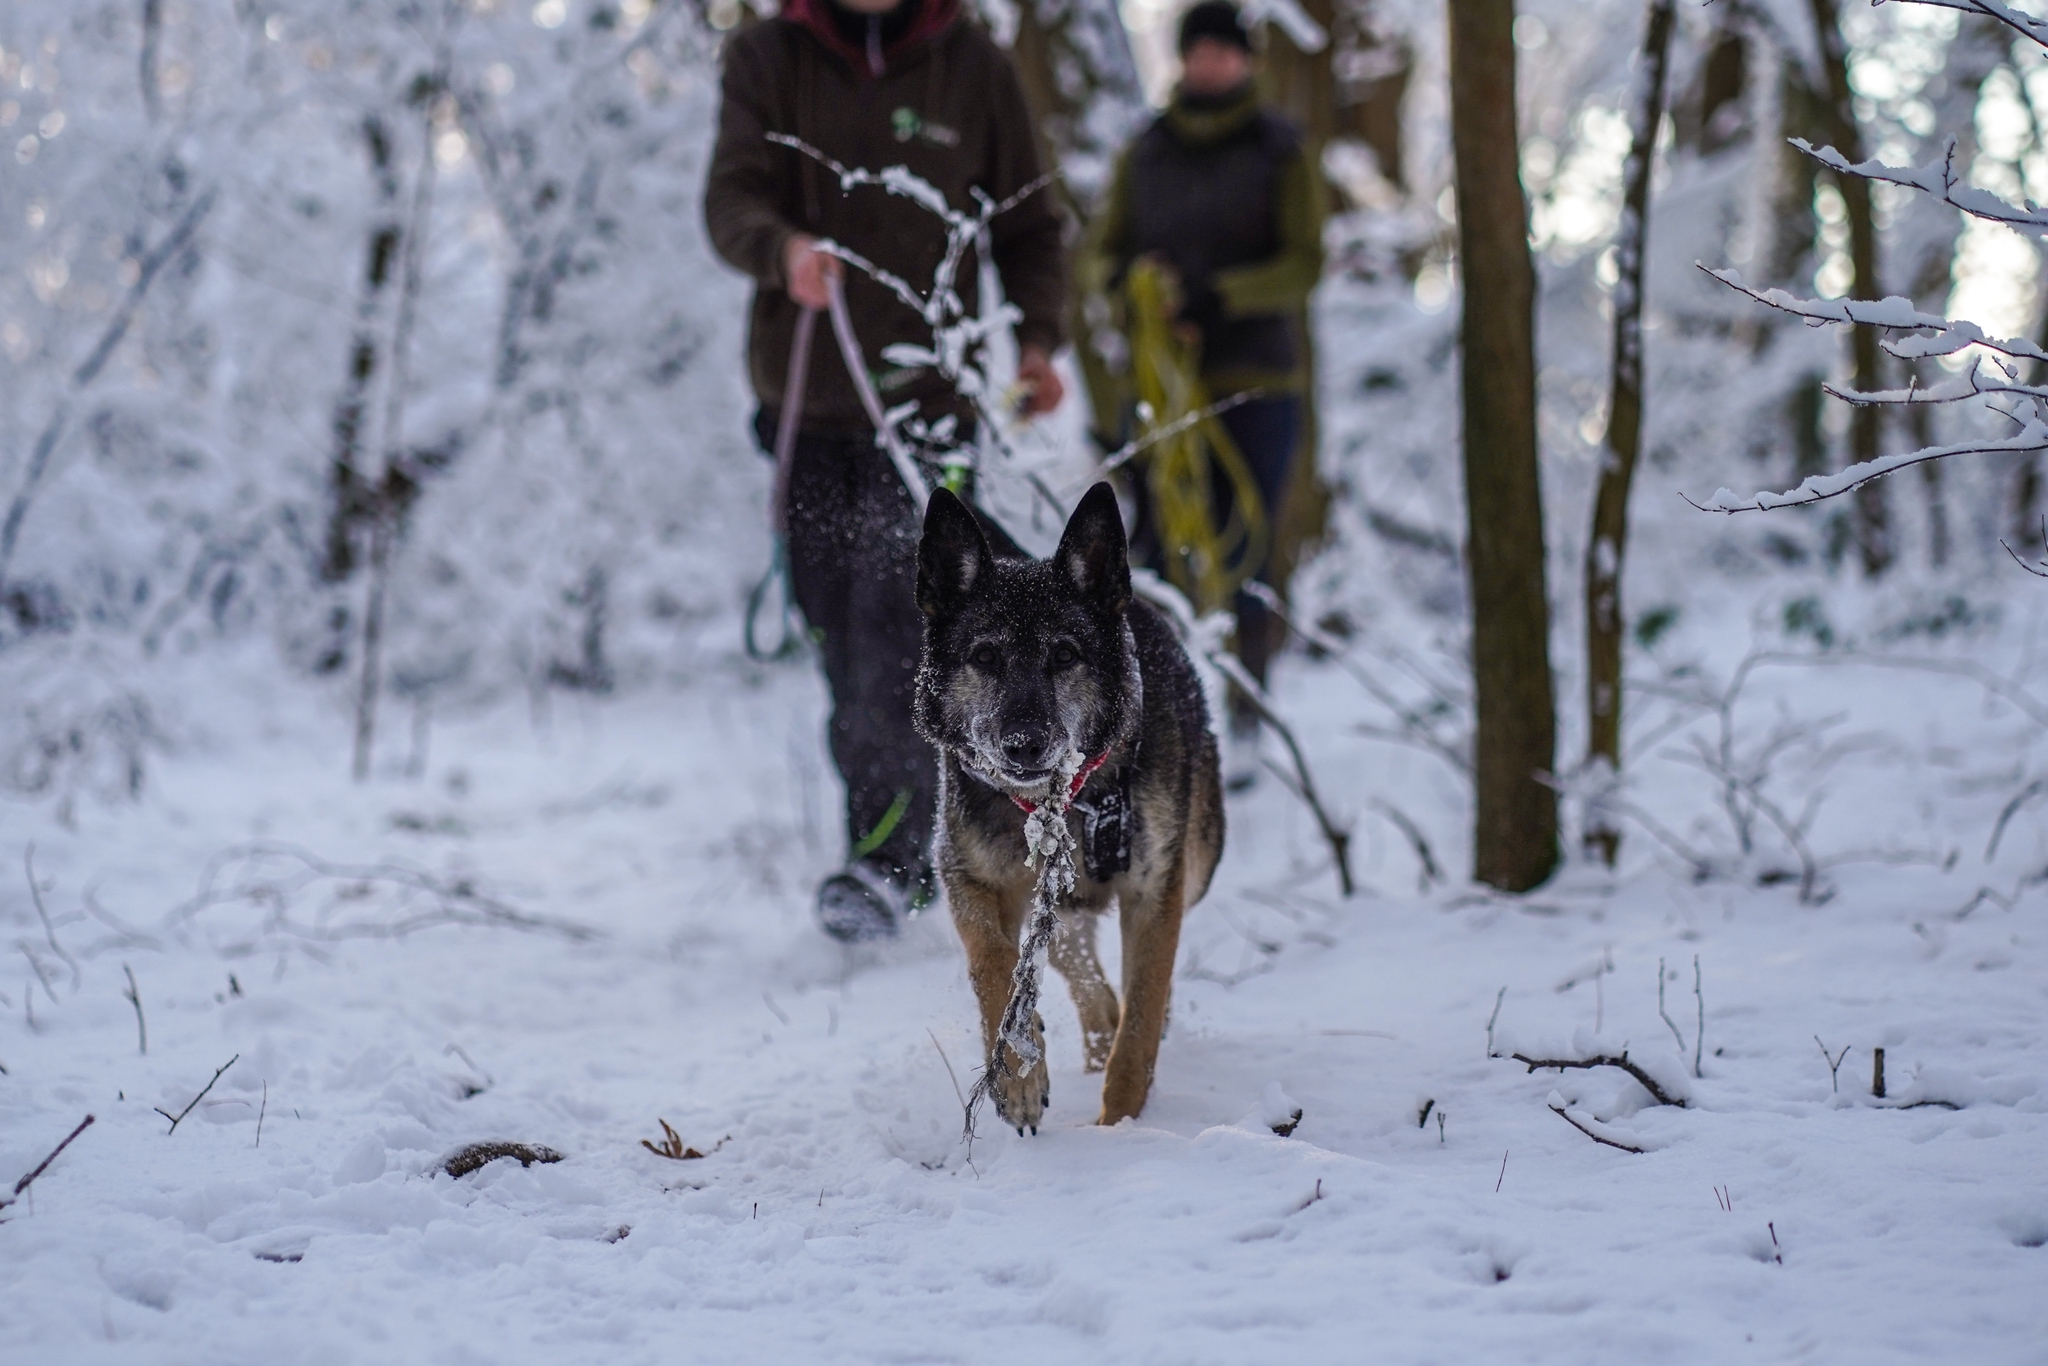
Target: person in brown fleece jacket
point(872, 83)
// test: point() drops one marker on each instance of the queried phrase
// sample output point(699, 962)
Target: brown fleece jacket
point(947, 105)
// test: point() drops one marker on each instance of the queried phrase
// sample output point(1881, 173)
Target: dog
point(1038, 673)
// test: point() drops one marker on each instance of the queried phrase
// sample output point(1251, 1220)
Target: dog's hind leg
point(989, 925)
point(1073, 953)
point(1151, 939)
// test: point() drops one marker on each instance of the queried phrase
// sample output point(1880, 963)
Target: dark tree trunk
point(1608, 544)
point(392, 488)
point(1873, 522)
point(1515, 829)
point(152, 41)
point(1072, 59)
point(350, 496)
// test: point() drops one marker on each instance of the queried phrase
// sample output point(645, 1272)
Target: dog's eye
point(986, 659)
point(1064, 655)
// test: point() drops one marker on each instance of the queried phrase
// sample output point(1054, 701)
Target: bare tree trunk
point(152, 39)
point(1515, 829)
point(1303, 85)
point(1608, 543)
point(1073, 59)
point(393, 486)
point(348, 489)
point(1873, 522)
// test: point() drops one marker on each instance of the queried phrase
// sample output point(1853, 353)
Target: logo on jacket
point(910, 124)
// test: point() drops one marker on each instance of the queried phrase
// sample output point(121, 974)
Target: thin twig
point(2012, 808)
point(1414, 728)
point(1181, 613)
point(179, 1117)
point(460, 902)
point(1123, 454)
point(1503, 1170)
point(1834, 1065)
point(41, 976)
point(1699, 1033)
point(43, 1165)
point(135, 999)
point(1336, 836)
point(1660, 1010)
point(129, 934)
point(1499, 996)
point(960, 1095)
point(1416, 840)
point(1649, 1083)
point(35, 892)
point(45, 448)
point(1561, 1114)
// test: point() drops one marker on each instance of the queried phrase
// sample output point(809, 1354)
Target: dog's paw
point(1021, 1090)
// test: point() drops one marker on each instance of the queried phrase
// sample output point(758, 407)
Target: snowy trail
point(842, 1220)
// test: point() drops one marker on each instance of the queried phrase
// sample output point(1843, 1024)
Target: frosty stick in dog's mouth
point(1051, 693)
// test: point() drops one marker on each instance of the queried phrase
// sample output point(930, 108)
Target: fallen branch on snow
point(43, 1165)
point(476, 1156)
point(452, 902)
point(1562, 1114)
point(179, 1118)
point(1648, 1082)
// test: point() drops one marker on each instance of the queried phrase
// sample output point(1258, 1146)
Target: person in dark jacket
point(872, 84)
point(1220, 190)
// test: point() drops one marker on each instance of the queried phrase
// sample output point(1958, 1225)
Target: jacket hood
point(815, 16)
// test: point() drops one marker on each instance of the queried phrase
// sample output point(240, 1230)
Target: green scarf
point(1199, 120)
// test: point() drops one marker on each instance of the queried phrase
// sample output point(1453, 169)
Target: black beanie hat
point(1217, 19)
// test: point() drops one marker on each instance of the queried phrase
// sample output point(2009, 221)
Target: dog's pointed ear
point(952, 558)
point(1093, 555)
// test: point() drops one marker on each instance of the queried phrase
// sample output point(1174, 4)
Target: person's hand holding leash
point(805, 270)
point(1040, 383)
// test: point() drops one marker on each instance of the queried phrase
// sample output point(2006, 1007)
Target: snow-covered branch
point(1970, 385)
point(956, 337)
point(2032, 436)
point(1893, 314)
point(1939, 179)
point(2026, 25)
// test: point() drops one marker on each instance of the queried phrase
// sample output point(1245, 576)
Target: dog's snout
point(1025, 746)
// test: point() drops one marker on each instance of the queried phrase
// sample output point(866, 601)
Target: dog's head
point(1029, 667)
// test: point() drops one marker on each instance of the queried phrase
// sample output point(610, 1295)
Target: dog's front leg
point(1151, 939)
point(1073, 953)
point(989, 924)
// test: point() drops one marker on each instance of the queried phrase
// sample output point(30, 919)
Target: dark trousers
point(1266, 431)
point(852, 544)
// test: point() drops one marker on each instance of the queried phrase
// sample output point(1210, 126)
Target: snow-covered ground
point(838, 1216)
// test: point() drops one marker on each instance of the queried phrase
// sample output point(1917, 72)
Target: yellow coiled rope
point(1207, 557)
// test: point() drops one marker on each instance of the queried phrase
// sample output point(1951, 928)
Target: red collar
point(1027, 806)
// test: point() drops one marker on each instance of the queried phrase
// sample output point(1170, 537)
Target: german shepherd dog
point(1043, 672)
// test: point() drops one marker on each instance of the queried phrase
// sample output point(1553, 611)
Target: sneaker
point(864, 902)
point(1241, 754)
